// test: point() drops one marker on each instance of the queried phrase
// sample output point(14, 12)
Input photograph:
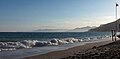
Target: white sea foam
point(4, 46)
point(64, 43)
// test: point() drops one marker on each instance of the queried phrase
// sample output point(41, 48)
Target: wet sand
point(74, 52)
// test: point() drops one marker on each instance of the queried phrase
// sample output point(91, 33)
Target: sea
point(44, 42)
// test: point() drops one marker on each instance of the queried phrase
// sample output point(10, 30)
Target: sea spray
point(22, 40)
point(5, 46)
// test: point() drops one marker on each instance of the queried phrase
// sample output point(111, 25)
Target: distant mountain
point(82, 29)
point(51, 30)
point(108, 27)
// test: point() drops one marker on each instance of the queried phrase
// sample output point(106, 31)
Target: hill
point(82, 29)
point(107, 27)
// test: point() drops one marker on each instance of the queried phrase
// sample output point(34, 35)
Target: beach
point(74, 52)
point(59, 29)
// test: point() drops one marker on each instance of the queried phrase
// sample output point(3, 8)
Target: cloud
point(80, 22)
point(68, 23)
point(109, 17)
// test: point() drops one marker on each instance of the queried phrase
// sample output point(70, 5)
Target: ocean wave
point(5, 46)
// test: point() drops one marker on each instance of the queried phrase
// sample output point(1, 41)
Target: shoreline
point(70, 51)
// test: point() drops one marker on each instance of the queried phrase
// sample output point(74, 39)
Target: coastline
point(70, 51)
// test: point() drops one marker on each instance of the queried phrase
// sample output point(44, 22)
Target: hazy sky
point(27, 15)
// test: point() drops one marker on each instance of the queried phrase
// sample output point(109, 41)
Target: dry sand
point(107, 51)
point(69, 52)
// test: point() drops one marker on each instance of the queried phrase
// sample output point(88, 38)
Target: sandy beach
point(72, 52)
point(59, 29)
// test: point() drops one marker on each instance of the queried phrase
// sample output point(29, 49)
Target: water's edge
point(22, 53)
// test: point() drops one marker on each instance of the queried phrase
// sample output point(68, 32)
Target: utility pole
point(116, 21)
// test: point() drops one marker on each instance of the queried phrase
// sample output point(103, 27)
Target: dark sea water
point(43, 36)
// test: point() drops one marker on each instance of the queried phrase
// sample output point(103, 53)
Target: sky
point(28, 15)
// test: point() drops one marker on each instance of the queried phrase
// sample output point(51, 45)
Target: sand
point(71, 52)
point(108, 51)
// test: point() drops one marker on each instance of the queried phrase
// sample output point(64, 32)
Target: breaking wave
point(5, 46)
